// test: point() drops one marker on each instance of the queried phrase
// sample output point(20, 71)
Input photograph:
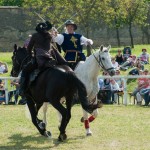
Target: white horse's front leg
point(45, 106)
point(86, 123)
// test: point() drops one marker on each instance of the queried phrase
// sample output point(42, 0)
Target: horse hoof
point(62, 137)
point(82, 119)
point(42, 125)
point(89, 134)
point(47, 134)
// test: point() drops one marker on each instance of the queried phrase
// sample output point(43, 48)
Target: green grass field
point(116, 128)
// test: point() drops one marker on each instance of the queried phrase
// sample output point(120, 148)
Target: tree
point(136, 11)
point(111, 11)
point(18, 3)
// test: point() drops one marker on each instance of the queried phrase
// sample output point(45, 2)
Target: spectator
point(146, 72)
point(114, 63)
point(3, 68)
point(106, 87)
point(144, 57)
point(126, 55)
point(142, 84)
point(119, 57)
point(135, 71)
point(14, 92)
point(2, 92)
point(129, 63)
point(119, 87)
point(104, 90)
point(145, 93)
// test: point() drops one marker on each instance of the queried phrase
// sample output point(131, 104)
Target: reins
point(100, 62)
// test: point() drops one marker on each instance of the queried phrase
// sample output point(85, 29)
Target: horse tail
point(82, 94)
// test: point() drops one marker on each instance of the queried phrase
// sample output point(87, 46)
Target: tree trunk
point(130, 32)
point(118, 36)
point(145, 31)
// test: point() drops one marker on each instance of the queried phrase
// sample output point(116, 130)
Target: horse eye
point(103, 58)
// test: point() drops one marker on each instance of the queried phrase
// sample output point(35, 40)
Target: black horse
point(50, 86)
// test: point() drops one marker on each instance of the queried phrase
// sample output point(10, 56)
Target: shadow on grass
point(18, 141)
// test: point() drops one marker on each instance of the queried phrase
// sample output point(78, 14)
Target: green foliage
point(11, 3)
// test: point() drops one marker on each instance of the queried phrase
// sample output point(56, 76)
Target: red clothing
point(143, 80)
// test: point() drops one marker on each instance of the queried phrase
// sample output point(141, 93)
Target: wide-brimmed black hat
point(70, 22)
point(43, 26)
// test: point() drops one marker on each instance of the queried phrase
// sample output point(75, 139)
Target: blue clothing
point(2, 93)
point(73, 48)
point(145, 93)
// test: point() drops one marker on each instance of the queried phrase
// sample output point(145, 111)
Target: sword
point(40, 17)
point(67, 20)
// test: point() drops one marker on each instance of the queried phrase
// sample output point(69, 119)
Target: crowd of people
point(122, 62)
point(72, 45)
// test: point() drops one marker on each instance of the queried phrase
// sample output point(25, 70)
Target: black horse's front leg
point(63, 111)
point(33, 112)
point(66, 120)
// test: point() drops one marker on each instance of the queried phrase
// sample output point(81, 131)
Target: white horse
point(88, 72)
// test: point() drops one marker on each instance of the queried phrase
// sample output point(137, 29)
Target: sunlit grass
point(117, 127)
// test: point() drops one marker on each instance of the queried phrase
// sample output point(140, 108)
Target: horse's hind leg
point(33, 112)
point(45, 106)
point(41, 123)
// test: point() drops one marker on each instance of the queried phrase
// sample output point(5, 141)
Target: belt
point(73, 51)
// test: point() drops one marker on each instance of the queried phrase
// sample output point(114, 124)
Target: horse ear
point(101, 48)
point(109, 47)
point(15, 47)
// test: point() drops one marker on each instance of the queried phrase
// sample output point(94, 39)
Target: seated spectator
point(15, 92)
point(120, 87)
point(126, 55)
point(146, 72)
point(114, 63)
point(145, 93)
point(142, 84)
point(3, 68)
point(144, 57)
point(119, 57)
point(129, 63)
point(104, 90)
point(135, 71)
point(106, 86)
point(2, 92)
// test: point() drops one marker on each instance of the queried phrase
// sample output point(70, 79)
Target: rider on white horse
point(72, 44)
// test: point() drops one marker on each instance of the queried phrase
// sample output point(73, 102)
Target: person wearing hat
point(144, 57)
point(45, 54)
point(72, 43)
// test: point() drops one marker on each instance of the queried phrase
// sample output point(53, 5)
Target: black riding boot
point(22, 86)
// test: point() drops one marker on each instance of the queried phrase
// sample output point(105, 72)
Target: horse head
point(104, 59)
point(19, 59)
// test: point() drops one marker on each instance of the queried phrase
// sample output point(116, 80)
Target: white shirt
point(83, 40)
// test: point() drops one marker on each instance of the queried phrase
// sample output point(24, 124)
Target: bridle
point(17, 64)
point(100, 60)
